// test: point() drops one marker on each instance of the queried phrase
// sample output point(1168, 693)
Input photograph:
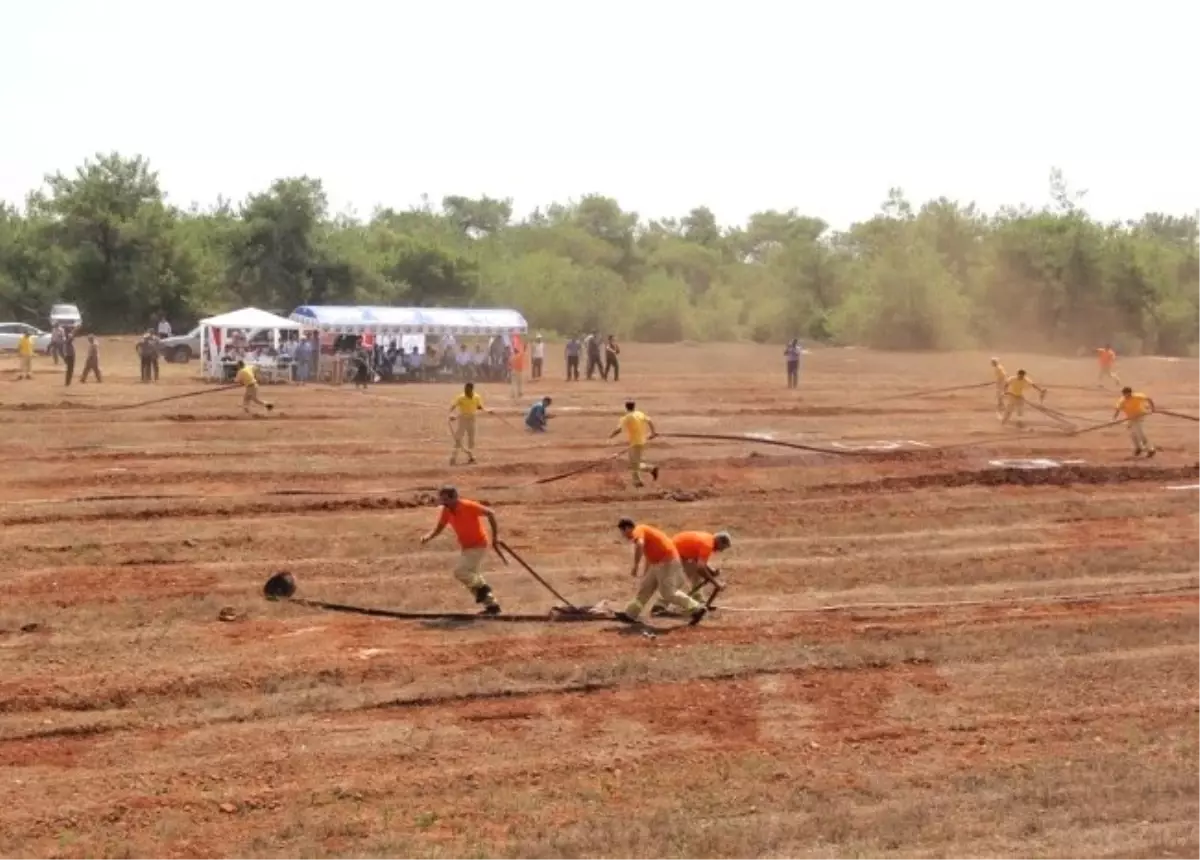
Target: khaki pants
point(250, 395)
point(464, 428)
point(1000, 395)
point(692, 570)
point(665, 578)
point(1013, 405)
point(1137, 433)
point(636, 465)
point(1108, 373)
point(469, 564)
point(27, 366)
point(515, 383)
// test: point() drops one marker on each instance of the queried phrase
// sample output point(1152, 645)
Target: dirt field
point(919, 653)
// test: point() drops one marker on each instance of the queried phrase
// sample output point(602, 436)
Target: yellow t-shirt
point(1001, 376)
point(246, 377)
point(1134, 405)
point(1017, 385)
point(635, 427)
point(468, 405)
point(25, 346)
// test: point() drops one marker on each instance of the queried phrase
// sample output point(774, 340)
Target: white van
point(65, 315)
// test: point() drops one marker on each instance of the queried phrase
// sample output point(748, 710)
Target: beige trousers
point(665, 578)
point(250, 395)
point(26, 365)
point(1013, 405)
point(464, 430)
point(636, 464)
point(1137, 432)
point(467, 571)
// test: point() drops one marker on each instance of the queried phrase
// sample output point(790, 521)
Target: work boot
point(625, 616)
point(492, 608)
point(697, 614)
point(654, 473)
point(659, 611)
point(1151, 453)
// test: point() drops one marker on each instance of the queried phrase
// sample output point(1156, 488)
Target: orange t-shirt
point(656, 544)
point(1106, 357)
point(466, 520)
point(695, 546)
point(517, 362)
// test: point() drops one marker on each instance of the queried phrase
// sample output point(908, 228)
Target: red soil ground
point(919, 654)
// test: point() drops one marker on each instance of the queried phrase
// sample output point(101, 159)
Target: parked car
point(10, 334)
point(181, 348)
point(65, 315)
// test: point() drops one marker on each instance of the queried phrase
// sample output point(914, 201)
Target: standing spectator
point(68, 353)
point(591, 344)
point(516, 366)
point(611, 362)
point(465, 365)
point(572, 353)
point(25, 351)
point(539, 357)
point(92, 363)
point(792, 353)
point(303, 359)
point(154, 356)
point(164, 327)
point(144, 347)
point(56, 343)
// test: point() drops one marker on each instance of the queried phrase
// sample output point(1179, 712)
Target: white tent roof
point(251, 318)
point(380, 320)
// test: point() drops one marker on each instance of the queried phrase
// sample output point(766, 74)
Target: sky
point(664, 105)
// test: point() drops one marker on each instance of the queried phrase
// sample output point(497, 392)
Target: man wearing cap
point(663, 574)
point(464, 516)
point(639, 429)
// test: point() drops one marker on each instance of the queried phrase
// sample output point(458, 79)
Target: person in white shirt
point(164, 327)
point(465, 365)
point(539, 357)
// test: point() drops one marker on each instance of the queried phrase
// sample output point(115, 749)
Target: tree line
point(941, 275)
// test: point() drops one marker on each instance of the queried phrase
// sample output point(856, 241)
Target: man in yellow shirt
point(1014, 396)
point(1135, 408)
point(1001, 383)
point(639, 429)
point(463, 410)
point(246, 378)
point(25, 351)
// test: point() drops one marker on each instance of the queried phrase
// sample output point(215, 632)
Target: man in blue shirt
point(536, 417)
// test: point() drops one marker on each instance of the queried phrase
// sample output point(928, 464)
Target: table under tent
point(412, 341)
point(256, 337)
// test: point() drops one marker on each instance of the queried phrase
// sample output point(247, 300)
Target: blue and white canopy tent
point(411, 321)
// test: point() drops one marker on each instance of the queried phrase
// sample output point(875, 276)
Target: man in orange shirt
point(1135, 408)
point(663, 572)
point(696, 549)
point(464, 515)
point(516, 366)
point(1108, 361)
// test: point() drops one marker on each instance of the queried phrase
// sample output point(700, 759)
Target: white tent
point(400, 321)
point(214, 334)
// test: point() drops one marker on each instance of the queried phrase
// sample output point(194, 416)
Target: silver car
point(10, 335)
point(181, 348)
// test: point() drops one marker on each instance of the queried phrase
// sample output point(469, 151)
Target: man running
point(1106, 358)
point(639, 429)
point(467, 405)
point(464, 515)
point(1014, 396)
point(1001, 384)
point(663, 572)
point(1135, 408)
point(246, 378)
point(536, 417)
